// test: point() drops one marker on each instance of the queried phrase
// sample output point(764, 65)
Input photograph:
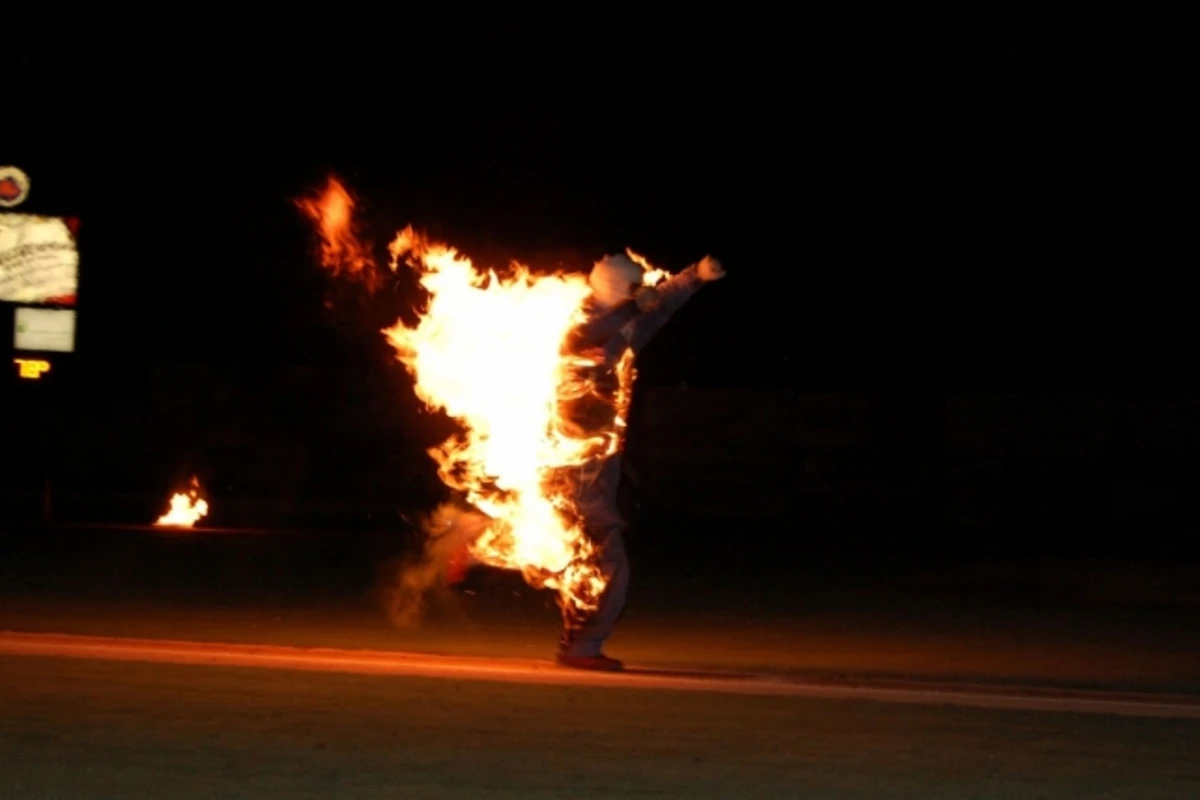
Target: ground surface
point(131, 730)
point(1084, 625)
point(84, 729)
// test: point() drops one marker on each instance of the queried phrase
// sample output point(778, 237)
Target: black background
point(908, 205)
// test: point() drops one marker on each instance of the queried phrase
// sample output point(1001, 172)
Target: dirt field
point(80, 729)
point(1129, 649)
point(91, 729)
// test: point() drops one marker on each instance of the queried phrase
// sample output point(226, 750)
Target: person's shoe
point(600, 663)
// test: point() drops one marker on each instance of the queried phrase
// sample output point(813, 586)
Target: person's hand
point(647, 298)
point(709, 269)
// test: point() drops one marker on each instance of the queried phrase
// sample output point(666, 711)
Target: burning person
point(622, 315)
point(536, 372)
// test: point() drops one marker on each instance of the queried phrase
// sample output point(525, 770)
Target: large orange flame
point(487, 350)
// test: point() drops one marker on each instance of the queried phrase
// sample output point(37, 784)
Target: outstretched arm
point(672, 294)
point(603, 327)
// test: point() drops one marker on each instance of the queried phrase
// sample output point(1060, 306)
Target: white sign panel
point(39, 262)
point(45, 329)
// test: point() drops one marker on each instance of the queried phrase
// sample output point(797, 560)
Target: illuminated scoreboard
point(39, 279)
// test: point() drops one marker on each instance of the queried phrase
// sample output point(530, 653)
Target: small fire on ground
point(186, 508)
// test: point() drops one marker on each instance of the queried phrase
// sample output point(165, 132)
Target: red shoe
point(600, 663)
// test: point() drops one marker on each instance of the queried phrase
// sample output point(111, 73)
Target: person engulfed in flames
point(621, 315)
point(537, 373)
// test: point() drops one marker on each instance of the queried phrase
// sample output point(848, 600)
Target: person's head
point(614, 279)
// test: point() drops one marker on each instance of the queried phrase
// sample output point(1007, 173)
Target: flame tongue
point(332, 213)
point(653, 275)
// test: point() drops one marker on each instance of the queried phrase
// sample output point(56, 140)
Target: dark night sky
point(939, 202)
